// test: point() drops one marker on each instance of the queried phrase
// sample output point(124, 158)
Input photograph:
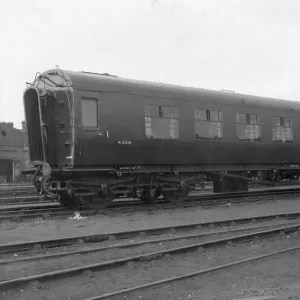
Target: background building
point(14, 155)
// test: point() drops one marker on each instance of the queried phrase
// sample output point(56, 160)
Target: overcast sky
point(248, 46)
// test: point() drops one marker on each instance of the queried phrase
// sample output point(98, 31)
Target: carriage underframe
point(98, 189)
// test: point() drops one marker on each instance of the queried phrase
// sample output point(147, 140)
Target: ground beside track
point(15, 268)
point(46, 229)
point(277, 276)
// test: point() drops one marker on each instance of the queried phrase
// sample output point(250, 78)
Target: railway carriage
point(95, 137)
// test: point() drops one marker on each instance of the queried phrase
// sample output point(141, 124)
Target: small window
point(248, 127)
point(161, 122)
point(200, 115)
point(241, 118)
point(89, 113)
point(254, 119)
point(282, 130)
point(208, 124)
point(153, 111)
point(215, 116)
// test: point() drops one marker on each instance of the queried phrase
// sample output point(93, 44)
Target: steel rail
point(14, 204)
point(147, 257)
point(21, 199)
point(28, 209)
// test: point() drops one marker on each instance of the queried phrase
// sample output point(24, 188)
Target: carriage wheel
point(202, 185)
point(102, 200)
point(176, 196)
point(146, 197)
point(67, 201)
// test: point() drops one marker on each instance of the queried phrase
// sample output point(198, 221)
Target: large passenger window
point(161, 122)
point(247, 127)
point(89, 113)
point(282, 129)
point(208, 124)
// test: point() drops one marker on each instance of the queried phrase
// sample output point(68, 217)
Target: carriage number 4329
point(124, 142)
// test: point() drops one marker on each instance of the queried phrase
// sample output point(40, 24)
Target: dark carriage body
point(89, 122)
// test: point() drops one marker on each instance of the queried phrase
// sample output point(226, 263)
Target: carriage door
point(93, 131)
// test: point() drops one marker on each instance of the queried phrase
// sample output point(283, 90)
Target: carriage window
point(208, 124)
point(89, 113)
point(282, 130)
point(161, 122)
point(248, 127)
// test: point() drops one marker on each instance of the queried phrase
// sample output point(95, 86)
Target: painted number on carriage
point(124, 142)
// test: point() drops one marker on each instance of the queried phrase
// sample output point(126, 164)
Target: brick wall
point(12, 142)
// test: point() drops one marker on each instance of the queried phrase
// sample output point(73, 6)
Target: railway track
point(50, 209)
point(229, 241)
point(33, 212)
point(14, 191)
point(23, 200)
point(102, 237)
point(15, 194)
point(188, 241)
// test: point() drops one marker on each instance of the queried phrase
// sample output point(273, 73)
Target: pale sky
point(249, 46)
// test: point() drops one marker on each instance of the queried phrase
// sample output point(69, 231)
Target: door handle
point(79, 144)
point(105, 134)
